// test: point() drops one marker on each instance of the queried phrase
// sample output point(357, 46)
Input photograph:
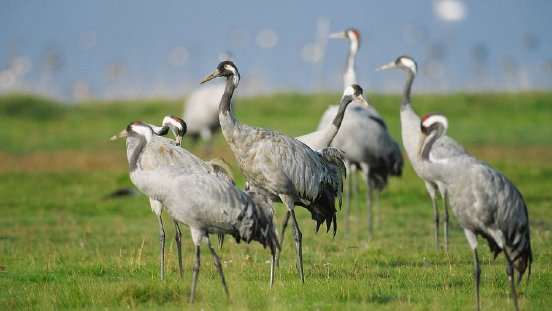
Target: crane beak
point(121, 134)
point(216, 73)
point(391, 65)
point(363, 101)
point(338, 35)
point(178, 140)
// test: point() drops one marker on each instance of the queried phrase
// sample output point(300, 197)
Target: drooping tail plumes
point(513, 220)
point(391, 164)
point(323, 207)
point(257, 221)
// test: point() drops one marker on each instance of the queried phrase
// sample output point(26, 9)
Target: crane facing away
point(285, 168)
point(485, 202)
point(364, 138)
point(207, 203)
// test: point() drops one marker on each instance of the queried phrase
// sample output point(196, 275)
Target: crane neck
point(338, 119)
point(225, 106)
point(350, 72)
point(407, 89)
point(139, 144)
point(353, 49)
point(430, 140)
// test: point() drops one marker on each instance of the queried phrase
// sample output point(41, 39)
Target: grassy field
point(65, 245)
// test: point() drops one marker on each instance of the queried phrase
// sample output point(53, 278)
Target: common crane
point(207, 203)
point(165, 152)
point(485, 202)
point(363, 137)
point(282, 166)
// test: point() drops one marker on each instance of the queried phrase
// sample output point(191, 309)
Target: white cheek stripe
point(349, 91)
point(410, 64)
point(170, 121)
point(436, 118)
point(142, 130)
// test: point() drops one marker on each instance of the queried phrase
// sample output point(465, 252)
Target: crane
point(363, 137)
point(206, 203)
point(485, 202)
point(165, 152)
point(410, 133)
point(283, 167)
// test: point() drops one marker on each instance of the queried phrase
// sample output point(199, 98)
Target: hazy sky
point(75, 48)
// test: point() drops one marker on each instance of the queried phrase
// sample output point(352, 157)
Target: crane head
point(355, 93)
point(432, 121)
point(403, 62)
point(177, 126)
point(224, 69)
point(352, 34)
point(135, 128)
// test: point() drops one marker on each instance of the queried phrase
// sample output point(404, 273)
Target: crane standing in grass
point(485, 202)
point(363, 137)
point(283, 167)
point(165, 152)
point(410, 132)
point(207, 203)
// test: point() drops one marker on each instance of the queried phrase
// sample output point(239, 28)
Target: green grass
point(65, 245)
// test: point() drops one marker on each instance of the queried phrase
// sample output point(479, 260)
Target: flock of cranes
point(309, 171)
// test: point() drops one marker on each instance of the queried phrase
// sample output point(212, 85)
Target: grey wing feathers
point(282, 165)
point(161, 152)
point(262, 212)
point(446, 147)
point(299, 167)
point(513, 221)
point(337, 158)
point(222, 169)
point(493, 203)
point(215, 205)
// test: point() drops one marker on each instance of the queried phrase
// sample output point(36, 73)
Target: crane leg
point(445, 222)
point(356, 191)
point(348, 201)
point(219, 267)
point(435, 220)
point(272, 264)
point(298, 245)
point(477, 276)
point(162, 241)
point(369, 207)
point(178, 238)
point(376, 211)
point(284, 226)
point(197, 264)
point(472, 240)
point(220, 238)
point(510, 271)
